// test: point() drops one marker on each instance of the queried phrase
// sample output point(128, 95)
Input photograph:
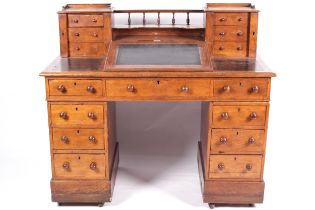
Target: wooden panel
point(235, 166)
point(229, 19)
point(238, 116)
point(87, 49)
point(230, 33)
point(79, 166)
point(237, 141)
point(78, 138)
point(253, 32)
point(86, 34)
point(233, 49)
point(63, 34)
point(76, 115)
point(108, 27)
point(75, 87)
point(158, 87)
point(85, 20)
point(241, 89)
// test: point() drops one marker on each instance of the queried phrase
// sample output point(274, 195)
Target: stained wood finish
point(231, 19)
point(63, 34)
point(232, 33)
point(236, 49)
point(86, 34)
point(87, 49)
point(85, 20)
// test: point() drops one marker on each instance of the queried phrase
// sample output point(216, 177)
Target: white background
point(162, 172)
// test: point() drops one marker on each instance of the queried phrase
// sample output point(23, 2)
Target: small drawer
point(242, 116)
point(231, 19)
point(241, 89)
point(85, 20)
point(235, 49)
point(67, 138)
point(87, 49)
point(72, 115)
point(79, 166)
point(237, 141)
point(230, 33)
point(86, 34)
point(158, 87)
point(235, 166)
point(77, 87)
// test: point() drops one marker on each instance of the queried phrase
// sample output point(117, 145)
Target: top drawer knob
point(62, 88)
point(66, 165)
point(65, 139)
point(255, 89)
point(92, 139)
point(221, 48)
point(93, 166)
point(76, 34)
point(222, 33)
point(94, 20)
point(91, 115)
point(253, 116)
point(223, 140)
point(131, 88)
point(226, 88)
point(221, 166)
point(90, 89)
point(251, 140)
point(240, 19)
point(249, 166)
point(95, 34)
point(184, 88)
point(225, 115)
point(222, 19)
point(239, 33)
point(75, 20)
point(63, 115)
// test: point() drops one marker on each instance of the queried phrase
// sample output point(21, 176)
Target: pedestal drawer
point(230, 19)
point(73, 115)
point(235, 166)
point(230, 33)
point(86, 34)
point(91, 49)
point(85, 20)
point(79, 166)
point(66, 138)
point(235, 49)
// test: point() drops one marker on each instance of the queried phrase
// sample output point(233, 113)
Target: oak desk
point(214, 63)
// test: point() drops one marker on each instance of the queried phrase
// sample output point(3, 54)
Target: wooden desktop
point(101, 62)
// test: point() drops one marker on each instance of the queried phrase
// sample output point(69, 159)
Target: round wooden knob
point(92, 139)
point(222, 33)
point(90, 89)
point(226, 88)
point(253, 116)
point(75, 20)
point(251, 140)
point(94, 20)
point(240, 19)
point(223, 140)
point(225, 115)
point(62, 88)
point(131, 88)
point(222, 19)
point(76, 34)
point(93, 166)
point(239, 48)
point(249, 166)
point(221, 166)
point(77, 48)
point(255, 89)
point(63, 115)
point(239, 33)
point(95, 34)
point(66, 165)
point(65, 139)
point(184, 88)
point(91, 115)
point(221, 48)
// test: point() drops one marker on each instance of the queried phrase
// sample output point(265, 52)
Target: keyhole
point(78, 131)
point(79, 157)
point(237, 133)
point(254, 33)
point(75, 83)
point(76, 108)
point(234, 158)
point(158, 82)
point(238, 109)
point(240, 84)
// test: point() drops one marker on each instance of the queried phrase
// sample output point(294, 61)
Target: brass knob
point(222, 33)
point(62, 88)
point(75, 20)
point(249, 166)
point(94, 20)
point(92, 139)
point(223, 140)
point(95, 34)
point(63, 115)
point(240, 19)
point(184, 88)
point(65, 139)
point(131, 88)
point(91, 115)
point(221, 48)
point(77, 48)
point(255, 89)
point(226, 88)
point(251, 140)
point(253, 116)
point(90, 89)
point(76, 34)
point(225, 115)
point(239, 48)
point(221, 166)
point(239, 33)
point(66, 165)
point(222, 19)
point(93, 166)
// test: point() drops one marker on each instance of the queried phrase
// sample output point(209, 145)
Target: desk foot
point(211, 205)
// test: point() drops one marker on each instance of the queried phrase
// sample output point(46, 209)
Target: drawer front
point(67, 115)
point(79, 166)
point(231, 19)
point(230, 33)
point(244, 89)
point(87, 49)
point(158, 87)
point(86, 34)
point(85, 20)
point(237, 141)
point(236, 49)
point(235, 166)
point(66, 138)
point(91, 88)
point(238, 116)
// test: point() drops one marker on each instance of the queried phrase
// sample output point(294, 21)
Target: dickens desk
point(148, 60)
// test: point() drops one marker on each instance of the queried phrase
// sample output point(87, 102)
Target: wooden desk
point(101, 63)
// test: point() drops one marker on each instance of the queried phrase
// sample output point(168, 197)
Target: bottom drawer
point(87, 49)
point(79, 166)
point(235, 166)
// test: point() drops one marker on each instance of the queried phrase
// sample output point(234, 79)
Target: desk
point(102, 63)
